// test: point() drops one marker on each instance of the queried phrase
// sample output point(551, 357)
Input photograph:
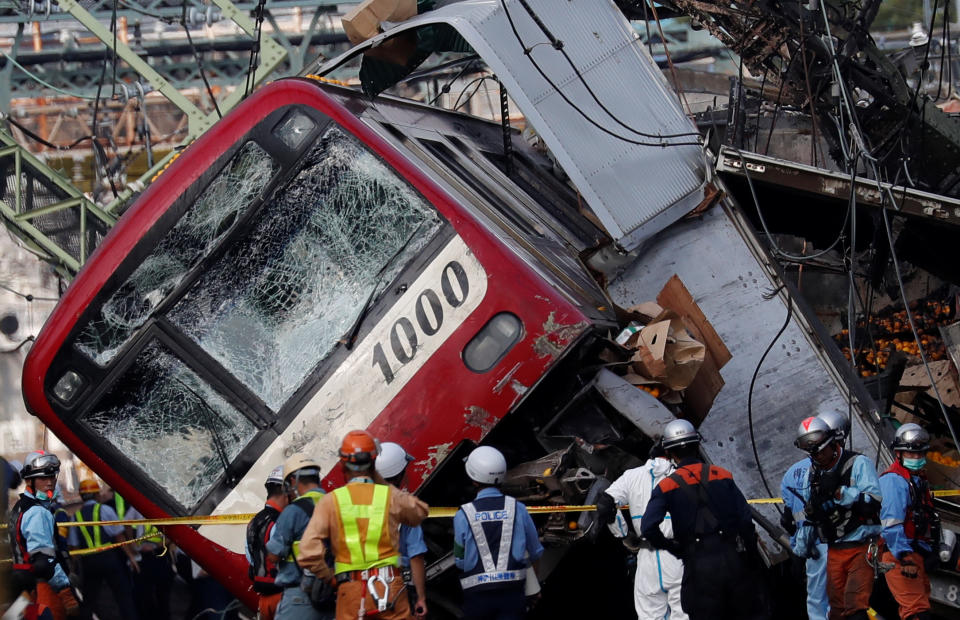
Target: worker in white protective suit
point(656, 588)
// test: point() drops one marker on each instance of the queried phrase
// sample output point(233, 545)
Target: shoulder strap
point(706, 521)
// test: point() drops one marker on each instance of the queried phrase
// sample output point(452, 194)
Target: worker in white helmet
point(392, 466)
point(493, 585)
point(656, 589)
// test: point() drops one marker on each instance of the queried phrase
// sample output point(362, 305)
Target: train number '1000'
point(427, 319)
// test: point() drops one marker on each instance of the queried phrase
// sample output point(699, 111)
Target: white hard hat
point(813, 435)
point(838, 422)
point(392, 461)
point(679, 433)
point(275, 477)
point(486, 465)
point(911, 438)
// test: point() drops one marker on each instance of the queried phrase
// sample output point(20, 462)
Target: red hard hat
point(359, 449)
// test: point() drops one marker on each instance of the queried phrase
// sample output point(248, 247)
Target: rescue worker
point(841, 506)
point(262, 571)
point(494, 542)
point(301, 475)
point(656, 589)
point(712, 532)
point(153, 584)
point(33, 543)
point(818, 605)
point(359, 524)
point(106, 567)
point(392, 467)
point(911, 526)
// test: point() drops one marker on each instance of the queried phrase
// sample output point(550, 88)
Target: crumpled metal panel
point(635, 190)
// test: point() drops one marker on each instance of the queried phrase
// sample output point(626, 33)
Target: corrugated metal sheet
point(712, 256)
point(634, 189)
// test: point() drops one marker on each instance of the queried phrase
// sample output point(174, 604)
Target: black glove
point(322, 591)
point(22, 580)
point(787, 522)
point(42, 566)
point(908, 569)
point(606, 509)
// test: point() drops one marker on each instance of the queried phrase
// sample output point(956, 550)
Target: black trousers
point(719, 585)
point(108, 567)
point(502, 603)
point(152, 586)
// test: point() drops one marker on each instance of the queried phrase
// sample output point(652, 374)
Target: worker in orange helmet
point(361, 520)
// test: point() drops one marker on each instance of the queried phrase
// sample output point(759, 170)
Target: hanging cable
point(255, 50)
point(529, 55)
point(37, 79)
point(199, 58)
point(753, 381)
point(26, 296)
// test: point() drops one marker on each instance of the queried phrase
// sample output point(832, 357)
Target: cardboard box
point(363, 22)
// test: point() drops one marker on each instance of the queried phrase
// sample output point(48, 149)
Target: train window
point(172, 424)
point(492, 342)
point(277, 302)
point(197, 233)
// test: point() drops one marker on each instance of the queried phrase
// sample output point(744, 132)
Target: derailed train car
point(320, 261)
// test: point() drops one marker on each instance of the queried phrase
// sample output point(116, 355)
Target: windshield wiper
point(351, 337)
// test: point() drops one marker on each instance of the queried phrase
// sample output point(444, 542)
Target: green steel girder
point(25, 11)
point(46, 211)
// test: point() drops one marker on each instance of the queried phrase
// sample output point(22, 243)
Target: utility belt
point(715, 539)
point(387, 572)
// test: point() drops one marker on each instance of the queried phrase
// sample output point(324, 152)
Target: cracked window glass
point(172, 424)
point(275, 305)
point(193, 237)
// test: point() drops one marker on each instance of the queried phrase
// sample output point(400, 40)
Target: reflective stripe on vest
point(95, 541)
point(120, 504)
point(366, 556)
point(493, 572)
point(314, 496)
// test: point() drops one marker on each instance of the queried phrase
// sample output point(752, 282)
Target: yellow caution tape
point(76, 552)
point(436, 512)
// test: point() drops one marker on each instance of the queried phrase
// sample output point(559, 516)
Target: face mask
point(43, 496)
point(915, 464)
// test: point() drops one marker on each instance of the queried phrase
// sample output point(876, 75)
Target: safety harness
point(18, 543)
point(837, 521)
point(921, 521)
point(306, 502)
point(500, 571)
point(262, 571)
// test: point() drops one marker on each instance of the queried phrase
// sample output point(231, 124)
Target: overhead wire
point(199, 58)
point(39, 80)
point(527, 51)
point(255, 49)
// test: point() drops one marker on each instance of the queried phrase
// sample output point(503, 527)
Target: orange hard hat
point(359, 449)
point(89, 486)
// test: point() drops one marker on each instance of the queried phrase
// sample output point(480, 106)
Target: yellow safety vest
point(149, 529)
point(314, 496)
point(366, 556)
point(95, 541)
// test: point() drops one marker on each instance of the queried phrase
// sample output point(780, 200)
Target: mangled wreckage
point(322, 260)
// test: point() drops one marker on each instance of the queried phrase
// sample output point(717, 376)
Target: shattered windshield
point(275, 305)
point(197, 233)
point(172, 424)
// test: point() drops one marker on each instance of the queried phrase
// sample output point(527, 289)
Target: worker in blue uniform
point(495, 541)
point(107, 567)
point(841, 507)
point(911, 525)
point(713, 532)
point(391, 464)
point(301, 475)
point(33, 537)
point(818, 605)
